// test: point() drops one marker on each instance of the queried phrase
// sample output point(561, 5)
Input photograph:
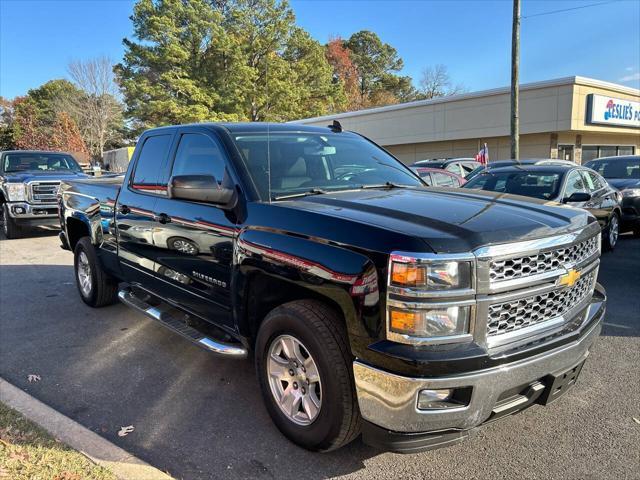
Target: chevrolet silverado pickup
point(29, 182)
point(370, 303)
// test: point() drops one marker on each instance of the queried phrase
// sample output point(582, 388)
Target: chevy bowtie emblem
point(569, 279)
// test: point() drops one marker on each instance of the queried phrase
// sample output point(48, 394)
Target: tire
point(10, 228)
point(323, 336)
point(611, 234)
point(96, 287)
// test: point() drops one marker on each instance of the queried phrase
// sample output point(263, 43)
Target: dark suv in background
point(623, 173)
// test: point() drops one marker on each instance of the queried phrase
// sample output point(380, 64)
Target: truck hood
point(451, 220)
point(29, 176)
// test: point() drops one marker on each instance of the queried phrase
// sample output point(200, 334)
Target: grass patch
point(29, 452)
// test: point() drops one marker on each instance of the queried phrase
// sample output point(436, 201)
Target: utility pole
point(515, 90)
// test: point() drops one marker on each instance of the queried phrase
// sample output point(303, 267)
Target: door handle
point(162, 218)
point(124, 210)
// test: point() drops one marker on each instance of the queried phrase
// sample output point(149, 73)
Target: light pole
point(515, 93)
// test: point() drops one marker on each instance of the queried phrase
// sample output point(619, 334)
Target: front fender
point(348, 279)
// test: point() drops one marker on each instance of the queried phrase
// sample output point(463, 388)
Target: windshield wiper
point(388, 185)
point(313, 191)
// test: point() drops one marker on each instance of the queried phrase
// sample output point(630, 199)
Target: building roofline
point(575, 80)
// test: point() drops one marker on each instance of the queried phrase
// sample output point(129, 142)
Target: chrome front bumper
point(32, 211)
point(390, 401)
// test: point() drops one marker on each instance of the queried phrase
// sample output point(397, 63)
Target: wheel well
point(266, 293)
point(76, 229)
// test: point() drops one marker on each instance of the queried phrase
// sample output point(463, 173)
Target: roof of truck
point(239, 127)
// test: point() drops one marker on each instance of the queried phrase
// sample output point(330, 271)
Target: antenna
point(335, 126)
point(268, 128)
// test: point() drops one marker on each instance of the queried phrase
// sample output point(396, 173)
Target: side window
point(426, 177)
point(198, 154)
point(147, 171)
point(597, 180)
point(574, 184)
point(454, 168)
point(467, 168)
point(443, 180)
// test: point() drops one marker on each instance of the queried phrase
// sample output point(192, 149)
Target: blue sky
point(473, 38)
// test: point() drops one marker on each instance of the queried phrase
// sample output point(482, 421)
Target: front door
point(194, 240)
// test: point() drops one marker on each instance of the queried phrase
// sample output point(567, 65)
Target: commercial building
point(573, 118)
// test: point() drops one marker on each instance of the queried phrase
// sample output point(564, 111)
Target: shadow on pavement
point(111, 367)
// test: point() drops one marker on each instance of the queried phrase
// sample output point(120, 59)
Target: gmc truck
point(370, 303)
point(29, 183)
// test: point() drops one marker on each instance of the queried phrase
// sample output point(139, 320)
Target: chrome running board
point(177, 325)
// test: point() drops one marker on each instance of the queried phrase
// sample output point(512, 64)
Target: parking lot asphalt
point(200, 417)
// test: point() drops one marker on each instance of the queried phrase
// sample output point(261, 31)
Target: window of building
point(590, 152)
point(565, 152)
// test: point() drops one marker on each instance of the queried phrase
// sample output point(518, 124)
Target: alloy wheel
point(84, 274)
point(614, 230)
point(294, 380)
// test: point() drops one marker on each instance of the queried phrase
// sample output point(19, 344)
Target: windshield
point(616, 167)
point(543, 185)
point(49, 162)
point(305, 162)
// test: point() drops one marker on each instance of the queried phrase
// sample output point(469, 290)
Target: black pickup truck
point(370, 303)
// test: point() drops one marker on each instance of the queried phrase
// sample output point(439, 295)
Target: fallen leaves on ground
point(124, 431)
point(34, 378)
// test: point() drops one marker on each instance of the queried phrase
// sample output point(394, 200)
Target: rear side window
point(444, 180)
point(455, 168)
point(149, 165)
point(198, 155)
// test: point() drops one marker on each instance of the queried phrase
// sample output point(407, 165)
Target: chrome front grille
point(519, 267)
point(43, 192)
point(514, 315)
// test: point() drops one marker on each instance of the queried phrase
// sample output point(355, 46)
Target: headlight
point(430, 276)
point(631, 192)
point(431, 323)
point(16, 192)
point(431, 298)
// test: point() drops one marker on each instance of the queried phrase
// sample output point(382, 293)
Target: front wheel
point(306, 377)
point(611, 233)
point(96, 287)
point(10, 228)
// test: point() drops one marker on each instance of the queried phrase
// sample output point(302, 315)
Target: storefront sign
point(605, 110)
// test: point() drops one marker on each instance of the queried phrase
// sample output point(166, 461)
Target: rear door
point(135, 206)
point(195, 240)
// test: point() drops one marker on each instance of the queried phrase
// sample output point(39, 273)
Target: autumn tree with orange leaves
point(344, 71)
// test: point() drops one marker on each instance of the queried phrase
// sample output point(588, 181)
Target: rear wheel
point(306, 377)
point(9, 226)
point(611, 233)
point(96, 287)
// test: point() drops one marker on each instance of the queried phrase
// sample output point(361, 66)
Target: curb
point(99, 450)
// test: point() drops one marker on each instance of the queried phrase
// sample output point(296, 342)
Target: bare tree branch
point(98, 109)
point(436, 82)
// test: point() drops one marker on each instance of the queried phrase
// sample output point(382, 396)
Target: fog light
point(18, 210)
point(443, 398)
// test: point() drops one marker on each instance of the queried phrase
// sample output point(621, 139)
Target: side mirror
point(577, 197)
point(201, 188)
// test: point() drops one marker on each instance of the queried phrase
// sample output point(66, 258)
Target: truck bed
point(103, 188)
